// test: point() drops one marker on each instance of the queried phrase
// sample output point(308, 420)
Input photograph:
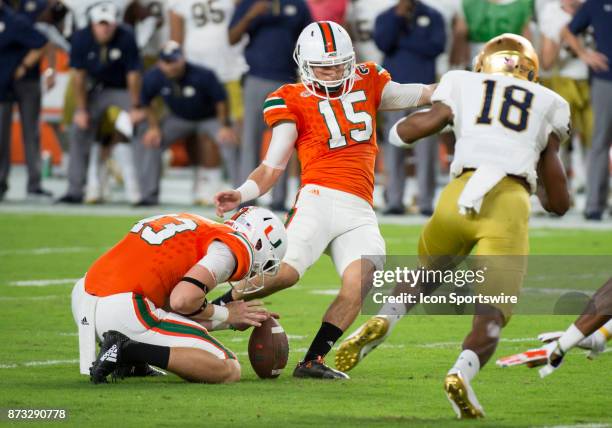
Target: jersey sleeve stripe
point(380, 69)
point(274, 102)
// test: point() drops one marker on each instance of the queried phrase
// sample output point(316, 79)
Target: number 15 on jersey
point(360, 122)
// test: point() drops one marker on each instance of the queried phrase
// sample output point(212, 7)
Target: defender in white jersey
point(202, 29)
point(508, 131)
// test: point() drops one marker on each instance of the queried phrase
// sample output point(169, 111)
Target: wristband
point(394, 138)
point(220, 313)
point(248, 191)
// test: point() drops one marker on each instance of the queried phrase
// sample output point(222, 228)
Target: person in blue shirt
point(197, 108)
point(273, 27)
point(411, 35)
point(21, 47)
point(106, 65)
point(598, 15)
point(28, 90)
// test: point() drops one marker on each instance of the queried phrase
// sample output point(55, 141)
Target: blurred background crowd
point(113, 94)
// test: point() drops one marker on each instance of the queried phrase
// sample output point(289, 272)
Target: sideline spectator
point(411, 35)
point(598, 15)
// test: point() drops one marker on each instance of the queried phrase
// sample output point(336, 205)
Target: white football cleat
point(597, 342)
point(359, 344)
point(462, 397)
point(550, 336)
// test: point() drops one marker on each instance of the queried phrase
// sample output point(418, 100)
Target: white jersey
point(79, 11)
point(206, 41)
point(161, 34)
point(449, 9)
point(501, 121)
point(361, 14)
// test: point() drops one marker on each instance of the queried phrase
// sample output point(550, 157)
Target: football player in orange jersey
point(330, 119)
point(146, 297)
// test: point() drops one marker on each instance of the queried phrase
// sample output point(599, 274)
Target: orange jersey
point(336, 141)
point(157, 253)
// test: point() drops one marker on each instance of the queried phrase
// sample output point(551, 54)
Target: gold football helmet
point(508, 54)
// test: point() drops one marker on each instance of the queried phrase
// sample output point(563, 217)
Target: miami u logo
point(267, 233)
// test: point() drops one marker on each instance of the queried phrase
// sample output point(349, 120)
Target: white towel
point(484, 179)
point(124, 124)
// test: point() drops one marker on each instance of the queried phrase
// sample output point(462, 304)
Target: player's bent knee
point(227, 371)
point(233, 371)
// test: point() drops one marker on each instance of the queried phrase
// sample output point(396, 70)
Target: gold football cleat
point(462, 397)
point(359, 344)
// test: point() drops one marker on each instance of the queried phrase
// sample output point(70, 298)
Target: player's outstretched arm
point(282, 144)
point(421, 124)
point(401, 96)
point(553, 193)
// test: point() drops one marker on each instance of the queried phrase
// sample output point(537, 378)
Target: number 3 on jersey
point(360, 133)
point(155, 230)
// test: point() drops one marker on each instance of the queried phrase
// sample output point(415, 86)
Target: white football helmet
point(325, 44)
point(268, 238)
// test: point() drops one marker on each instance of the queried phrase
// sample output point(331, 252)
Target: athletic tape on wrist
point(248, 191)
point(220, 313)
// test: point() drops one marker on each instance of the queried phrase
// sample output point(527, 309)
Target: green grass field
point(399, 384)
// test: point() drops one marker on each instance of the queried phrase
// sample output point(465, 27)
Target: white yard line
point(324, 292)
point(37, 363)
point(19, 299)
point(48, 250)
point(43, 282)
point(572, 220)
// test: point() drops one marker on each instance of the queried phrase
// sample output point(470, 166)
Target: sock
point(468, 364)
point(224, 299)
point(570, 338)
point(606, 330)
point(213, 175)
point(125, 158)
point(324, 340)
point(393, 312)
point(598, 339)
point(209, 176)
point(134, 352)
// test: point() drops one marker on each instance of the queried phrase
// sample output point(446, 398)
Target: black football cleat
point(109, 357)
point(138, 370)
point(316, 369)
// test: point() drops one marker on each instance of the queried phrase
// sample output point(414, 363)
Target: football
point(268, 349)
